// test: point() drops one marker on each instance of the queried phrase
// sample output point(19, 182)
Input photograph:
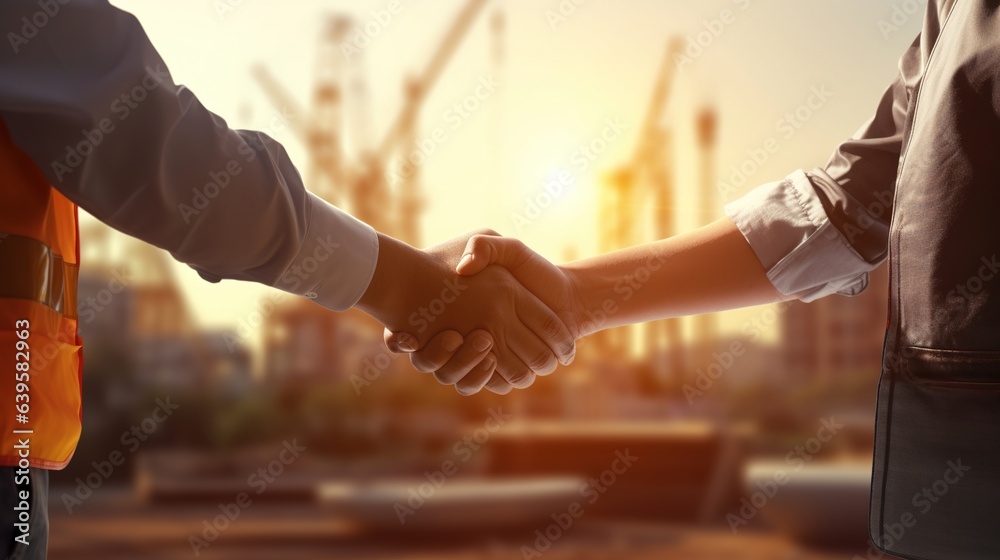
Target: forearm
point(709, 269)
point(398, 277)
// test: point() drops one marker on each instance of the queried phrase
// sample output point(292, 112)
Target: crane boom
point(426, 81)
point(299, 125)
point(657, 103)
point(283, 100)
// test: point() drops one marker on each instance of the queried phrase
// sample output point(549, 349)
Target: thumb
point(483, 250)
point(400, 342)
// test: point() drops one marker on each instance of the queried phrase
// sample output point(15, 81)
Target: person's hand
point(557, 287)
point(441, 357)
point(419, 292)
point(554, 286)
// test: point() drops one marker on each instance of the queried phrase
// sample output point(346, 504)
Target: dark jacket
point(932, 153)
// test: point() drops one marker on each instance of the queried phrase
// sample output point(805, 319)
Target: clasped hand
point(482, 311)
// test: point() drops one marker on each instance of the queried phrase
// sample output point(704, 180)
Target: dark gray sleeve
point(85, 94)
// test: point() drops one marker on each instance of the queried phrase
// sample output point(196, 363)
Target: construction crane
point(320, 127)
point(644, 169)
point(365, 183)
point(401, 137)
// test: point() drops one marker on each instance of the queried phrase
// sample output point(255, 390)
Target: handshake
point(485, 311)
point(479, 311)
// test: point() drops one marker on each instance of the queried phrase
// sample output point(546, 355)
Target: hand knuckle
point(552, 328)
point(499, 386)
point(543, 361)
point(522, 379)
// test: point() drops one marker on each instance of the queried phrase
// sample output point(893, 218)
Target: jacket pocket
point(972, 369)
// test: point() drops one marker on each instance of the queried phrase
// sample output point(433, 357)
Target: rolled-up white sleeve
point(803, 253)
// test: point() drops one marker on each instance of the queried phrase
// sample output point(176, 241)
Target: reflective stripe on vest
point(40, 352)
point(42, 275)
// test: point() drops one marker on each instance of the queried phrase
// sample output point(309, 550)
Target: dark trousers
point(38, 511)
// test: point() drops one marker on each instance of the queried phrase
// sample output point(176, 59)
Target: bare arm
point(712, 268)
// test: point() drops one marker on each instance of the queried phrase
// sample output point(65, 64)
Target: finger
point(400, 342)
point(437, 352)
point(497, 384)
point(450, 251)
point(449, 243)
point(548, 327)
point(510, 366)
point(478, 377)
point(484, 250)
point(530, 350)
point(466, 358)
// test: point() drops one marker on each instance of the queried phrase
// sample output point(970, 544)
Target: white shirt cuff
point(802, 251)
point(336, 260)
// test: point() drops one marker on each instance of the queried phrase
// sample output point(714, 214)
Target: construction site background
point(715, 407)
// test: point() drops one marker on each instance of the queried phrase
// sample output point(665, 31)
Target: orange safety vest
point(40, 351)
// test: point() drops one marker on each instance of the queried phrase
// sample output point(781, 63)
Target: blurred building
point(837, 337)
point(304, 342)
point(133, 315)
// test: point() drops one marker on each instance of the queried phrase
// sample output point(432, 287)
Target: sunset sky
point(559, 86)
